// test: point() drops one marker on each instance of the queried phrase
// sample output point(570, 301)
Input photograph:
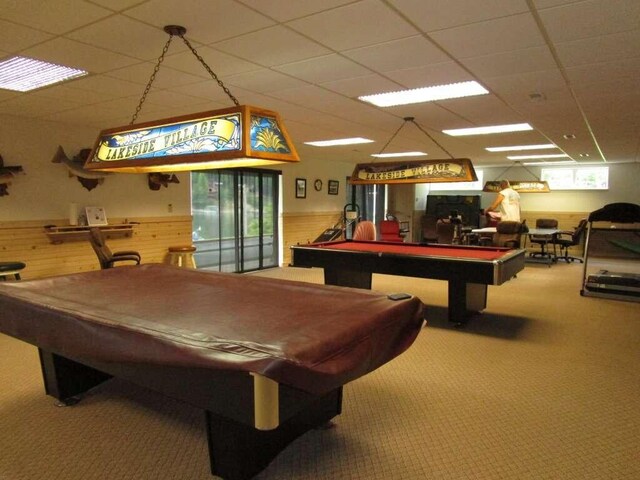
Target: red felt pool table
point(468, 269)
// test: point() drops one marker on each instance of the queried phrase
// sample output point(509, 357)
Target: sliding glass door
point(235, 217)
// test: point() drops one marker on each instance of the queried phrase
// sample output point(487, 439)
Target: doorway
point(235, 219)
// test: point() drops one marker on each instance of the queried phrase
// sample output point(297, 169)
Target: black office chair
point(566, 239)
point(543, 240)
point(106, 257)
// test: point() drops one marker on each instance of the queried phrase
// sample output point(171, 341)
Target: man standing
point(507, 203)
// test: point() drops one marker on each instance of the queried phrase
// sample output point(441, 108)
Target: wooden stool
point(182, 256)
point(11, 268)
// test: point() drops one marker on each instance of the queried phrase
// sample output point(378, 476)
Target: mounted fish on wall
point(157, 180)
point(87, 178)
point(6, 174)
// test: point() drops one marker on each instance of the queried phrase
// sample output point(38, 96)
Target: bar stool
point(182, 256)
point(11, 268)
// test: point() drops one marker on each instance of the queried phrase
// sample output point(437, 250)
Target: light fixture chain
point(151, 79)
point(392, 137)
point(211, 72)
point(520, 165)
point(432, 139)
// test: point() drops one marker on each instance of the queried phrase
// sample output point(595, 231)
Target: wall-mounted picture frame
point(333, 187)
point(301, 188)
point(96, 216)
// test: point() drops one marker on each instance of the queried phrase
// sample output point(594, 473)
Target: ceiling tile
point(324, 69)
point(365, 85)
point(443, 14)
point(166, 77)
point(114, 87)
point(54, 17)
point(126, 36)
point(603, 72)
point(437, 74)
point(272, 46)
point(35, 106)
point(510, 63)
point(482, 110)
point(284, 10)
point(382, 57)
point(516, 88)
point(78, 55)
point(580, 20)
point(166, 98)
point(205, 21)
point(16, 37)
point(603, 48)
point(264, 81)
point(351, 26)
point(116, 5)
point(489, 37)
point(222, 64)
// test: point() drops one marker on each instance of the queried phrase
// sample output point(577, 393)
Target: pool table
point(265, 359)
point(468, 269)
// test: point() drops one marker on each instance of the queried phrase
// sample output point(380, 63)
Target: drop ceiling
point(569, 68)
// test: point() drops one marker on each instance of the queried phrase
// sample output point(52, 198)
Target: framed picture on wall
point(333, 187)
point(301, 188)
point(96, 216)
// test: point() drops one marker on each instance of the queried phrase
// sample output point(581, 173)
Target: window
point(579, 178)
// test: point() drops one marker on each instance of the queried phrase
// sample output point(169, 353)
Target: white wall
point(312, 169)
point(45, 190)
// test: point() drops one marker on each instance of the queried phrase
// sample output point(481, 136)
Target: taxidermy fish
point(88, 179)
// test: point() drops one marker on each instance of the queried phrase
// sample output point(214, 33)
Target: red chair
point(390, 231)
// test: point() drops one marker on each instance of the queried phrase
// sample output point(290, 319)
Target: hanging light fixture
point(416, 171)
point(520, 186)
point(239, 136)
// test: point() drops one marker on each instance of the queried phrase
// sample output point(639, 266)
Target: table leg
point(347, 278)
point(239, 452)
point(64, 379)
point(465, 299)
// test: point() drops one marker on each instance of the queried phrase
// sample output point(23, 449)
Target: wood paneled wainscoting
point(300, 228)
point(27, 242)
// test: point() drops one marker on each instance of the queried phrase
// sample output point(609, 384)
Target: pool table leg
point(465, 299)
point(239, 452)
point(64, 379)
point(347, 278)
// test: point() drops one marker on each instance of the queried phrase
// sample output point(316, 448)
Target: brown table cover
point(311, 337)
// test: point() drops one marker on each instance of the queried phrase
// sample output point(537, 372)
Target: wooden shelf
point(80, 233)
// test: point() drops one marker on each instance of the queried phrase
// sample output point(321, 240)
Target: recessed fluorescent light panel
point(399, 154)
point(22, 74)
point(514, 127)
point(531, 157)
point(425, 94)
point(516, 148)
point(339, 141)
point(543, 163)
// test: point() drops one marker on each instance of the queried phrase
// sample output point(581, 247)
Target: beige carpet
point(543, 385)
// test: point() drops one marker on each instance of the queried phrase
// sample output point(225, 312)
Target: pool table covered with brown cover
point(266, 359)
